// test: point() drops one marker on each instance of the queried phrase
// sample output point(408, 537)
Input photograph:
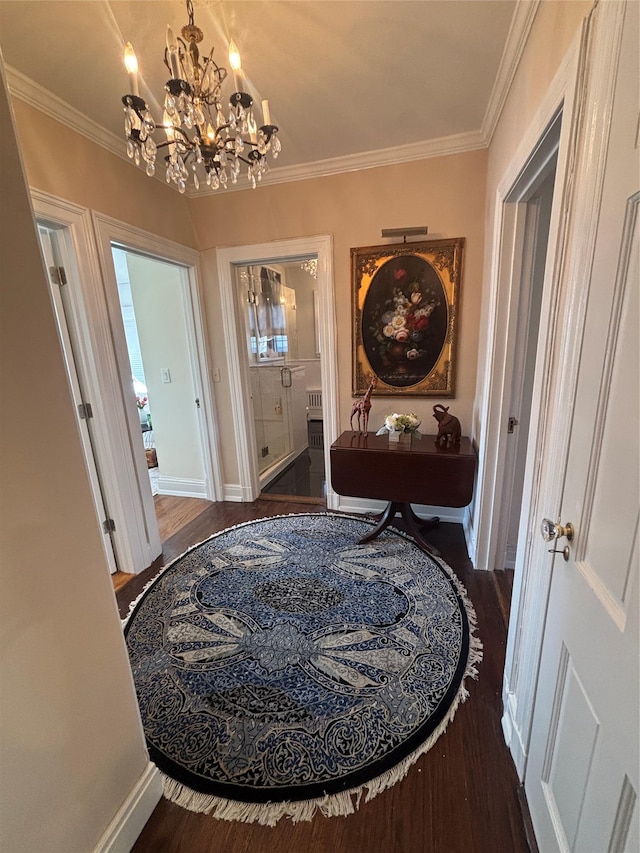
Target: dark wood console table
point(368, 466)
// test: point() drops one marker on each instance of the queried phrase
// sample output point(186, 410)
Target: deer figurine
point(362, 407)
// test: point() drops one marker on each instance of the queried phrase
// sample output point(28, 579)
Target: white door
point(582, 777)
point(56, 264)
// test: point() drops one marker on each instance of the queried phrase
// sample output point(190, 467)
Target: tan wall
point(554, 29)
point(445, 193)
point(71, 742)
point(61, 162)
point(555, 26)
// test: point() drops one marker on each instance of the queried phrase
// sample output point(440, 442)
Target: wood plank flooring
point(461, 797)
point(175, 513)
point(172, 515)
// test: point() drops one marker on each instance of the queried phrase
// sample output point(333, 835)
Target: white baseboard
point(512, 734)
point(360, 506)
point(181, 487)
point(129, 821)
point(469, 535)
point(234, 492)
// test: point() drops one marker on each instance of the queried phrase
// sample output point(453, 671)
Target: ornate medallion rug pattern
point(282, 668)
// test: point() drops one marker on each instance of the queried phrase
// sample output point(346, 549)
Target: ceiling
point(351, 83)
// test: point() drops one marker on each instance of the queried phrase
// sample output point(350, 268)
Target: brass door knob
point(550, 530)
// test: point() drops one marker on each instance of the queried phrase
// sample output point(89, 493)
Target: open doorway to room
point(240, 274)
point(537, 217)
point(153, 304)
point(527, 233)
point(279, 305)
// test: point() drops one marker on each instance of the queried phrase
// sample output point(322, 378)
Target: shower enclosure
point(278, 384)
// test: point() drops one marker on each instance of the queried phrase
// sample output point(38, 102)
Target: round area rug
point(282, 668)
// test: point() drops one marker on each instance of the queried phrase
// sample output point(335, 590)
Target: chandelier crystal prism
point(203, 141)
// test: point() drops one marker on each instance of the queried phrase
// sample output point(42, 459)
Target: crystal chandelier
point(202, 140)
point(310, 266)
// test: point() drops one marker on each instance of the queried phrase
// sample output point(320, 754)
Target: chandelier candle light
point(200, 137)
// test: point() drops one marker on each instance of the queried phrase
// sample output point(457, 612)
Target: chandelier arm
point(175, 129)
point(166, 62)
point(194, 106)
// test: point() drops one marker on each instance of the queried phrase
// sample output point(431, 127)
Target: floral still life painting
point(405, 312)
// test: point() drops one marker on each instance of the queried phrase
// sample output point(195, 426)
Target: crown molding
point(22, 87)
point(455, 144)
point(515, 44)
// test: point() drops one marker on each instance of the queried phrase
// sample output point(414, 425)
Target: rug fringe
point(330, 805)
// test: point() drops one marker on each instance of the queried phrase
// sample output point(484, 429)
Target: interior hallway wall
point(66, 164)
point(445, 193)
point(555, 26)
point(71, 743)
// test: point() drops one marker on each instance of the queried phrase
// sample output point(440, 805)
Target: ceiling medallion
point(203, 142)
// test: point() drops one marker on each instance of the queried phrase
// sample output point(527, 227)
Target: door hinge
point(58, 275)
point(109, 525)
point(513, 422)
point(197, 402)
point(85, 411)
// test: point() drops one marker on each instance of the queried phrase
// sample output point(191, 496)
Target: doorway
point(535, 217)
point(151, 293)
point(281, 256)
point(278, 303)
point(526, 233)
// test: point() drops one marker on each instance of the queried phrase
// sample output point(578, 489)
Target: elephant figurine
point(449, 431)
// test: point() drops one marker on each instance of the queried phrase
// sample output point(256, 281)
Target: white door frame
point(525, 252)
point(123, 466)
point(279, 251)
point(111, 231)
point(562, 318)
point(533, 568)
point(505, 279)
point(66, 300)
point(133, 547)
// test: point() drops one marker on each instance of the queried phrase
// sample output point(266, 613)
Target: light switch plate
point(165, 374)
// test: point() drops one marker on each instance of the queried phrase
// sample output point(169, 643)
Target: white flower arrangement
point(401, 423)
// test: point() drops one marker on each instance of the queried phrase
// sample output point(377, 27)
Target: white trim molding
point(112, 230)
point(47, 102)
point(181, 487)
point(129, 821)
point(521, 23)
point(31, 93)
point(582, 155)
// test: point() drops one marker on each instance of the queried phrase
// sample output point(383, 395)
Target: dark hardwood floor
point(461, 797)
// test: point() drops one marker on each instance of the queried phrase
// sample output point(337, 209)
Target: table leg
point(413, 526)
point(412, 522)
point(384, 521)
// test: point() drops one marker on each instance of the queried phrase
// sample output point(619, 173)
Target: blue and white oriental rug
point(282, 668)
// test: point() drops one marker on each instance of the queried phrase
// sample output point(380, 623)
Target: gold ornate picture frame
point(405, 312)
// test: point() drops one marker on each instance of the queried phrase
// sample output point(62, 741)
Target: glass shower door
point(268, 310)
